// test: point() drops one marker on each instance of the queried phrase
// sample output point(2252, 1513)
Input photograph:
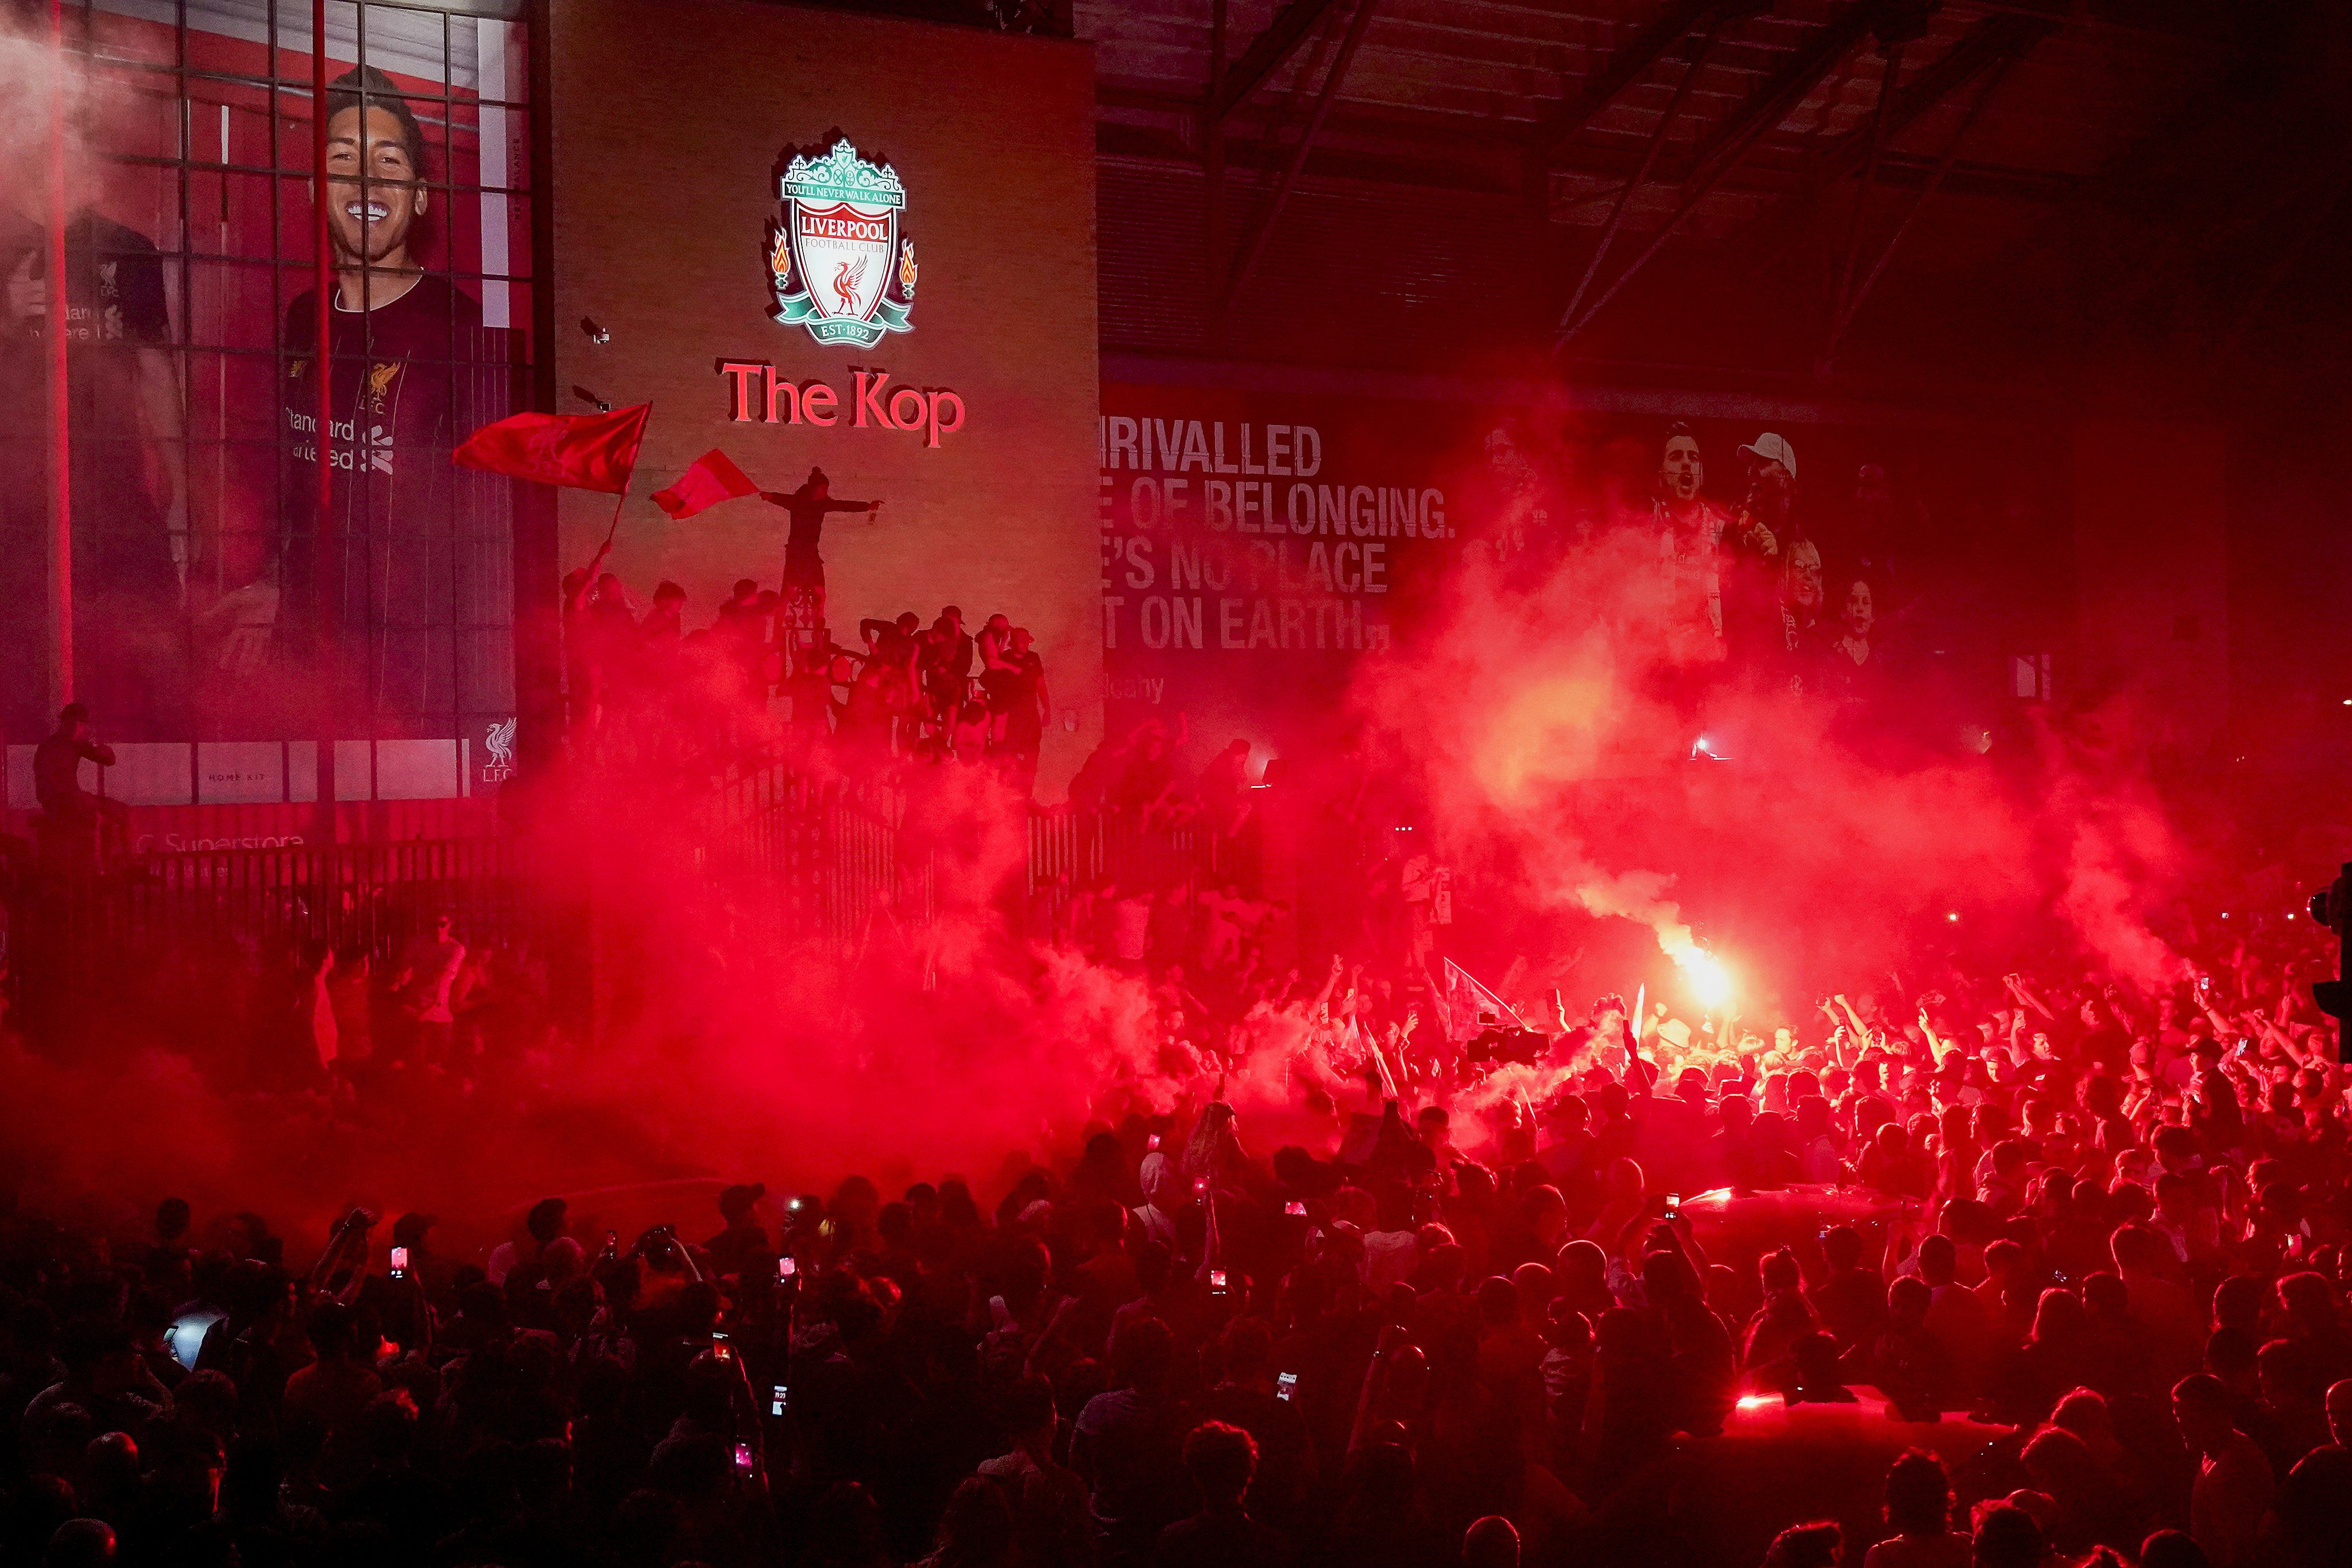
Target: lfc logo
point(837, 263)
point(498, 741)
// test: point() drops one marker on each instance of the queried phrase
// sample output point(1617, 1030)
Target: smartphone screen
point(1216, 1279)
point(1673, 1205)
point(787, 1267)
point(1286, 1385)
point(1293, 1207)
point(400, 1259)
point(744, 1461)
point(776, 1400)
point(186, 1336)
point(721, 1351)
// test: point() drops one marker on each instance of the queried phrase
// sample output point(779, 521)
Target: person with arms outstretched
point(803, 567)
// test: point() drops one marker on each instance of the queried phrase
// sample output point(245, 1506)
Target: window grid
point(427, 600)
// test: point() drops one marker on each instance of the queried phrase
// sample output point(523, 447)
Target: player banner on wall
point(1257, 546)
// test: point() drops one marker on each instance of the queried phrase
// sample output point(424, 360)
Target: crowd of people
point(2068, 1256)
point(908, 694)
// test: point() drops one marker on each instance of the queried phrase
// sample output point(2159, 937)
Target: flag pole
point(629, 478)
point(617, 502)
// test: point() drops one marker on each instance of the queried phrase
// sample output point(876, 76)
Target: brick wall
point(667, 119)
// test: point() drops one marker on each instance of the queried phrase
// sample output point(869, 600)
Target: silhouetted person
point(75, 817)
point(1221, 1459)
point(804, 566)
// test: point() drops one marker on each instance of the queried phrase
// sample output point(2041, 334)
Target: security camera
point(595, 334)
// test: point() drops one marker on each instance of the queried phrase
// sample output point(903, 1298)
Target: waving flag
point(1471, 1007)
point(584, 451)
point(712, 478)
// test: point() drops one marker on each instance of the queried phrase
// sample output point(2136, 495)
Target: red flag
point(713, 478)
point(585, 451)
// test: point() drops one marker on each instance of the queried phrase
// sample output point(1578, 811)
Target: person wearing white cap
point(1770, 449)
point(1752, 548)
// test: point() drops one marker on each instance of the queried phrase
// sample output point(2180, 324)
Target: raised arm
point(2276, 1036)
point(1852, 1018)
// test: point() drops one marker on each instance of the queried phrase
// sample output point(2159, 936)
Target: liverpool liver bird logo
point(838, 263)
point(845, 280)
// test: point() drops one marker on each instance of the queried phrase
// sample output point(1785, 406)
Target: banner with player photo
point(211, 602)
point(1257, 545)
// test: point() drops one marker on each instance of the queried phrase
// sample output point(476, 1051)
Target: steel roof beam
point(1625, 66)
point(1267, 53)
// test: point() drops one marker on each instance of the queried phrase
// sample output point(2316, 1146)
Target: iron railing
point(835, 856)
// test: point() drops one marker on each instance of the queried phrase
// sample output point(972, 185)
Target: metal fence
point(366, 898)
point(835, 857)
point(1070, 850)
point(833, 854)
point(840, 852)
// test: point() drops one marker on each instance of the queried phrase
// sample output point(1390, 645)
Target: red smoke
point(1552, 724)
point(1546, 728)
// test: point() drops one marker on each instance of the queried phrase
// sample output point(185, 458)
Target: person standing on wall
point(803, 611)
point(74, 816)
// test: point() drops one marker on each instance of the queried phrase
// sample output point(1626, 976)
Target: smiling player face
point(373, 196)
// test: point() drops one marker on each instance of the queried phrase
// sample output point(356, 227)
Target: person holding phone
point(1267, 1403)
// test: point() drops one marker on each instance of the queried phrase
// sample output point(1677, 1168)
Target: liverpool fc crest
point(837, 260)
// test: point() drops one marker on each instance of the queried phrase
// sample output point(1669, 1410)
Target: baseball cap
point(1773, 448)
